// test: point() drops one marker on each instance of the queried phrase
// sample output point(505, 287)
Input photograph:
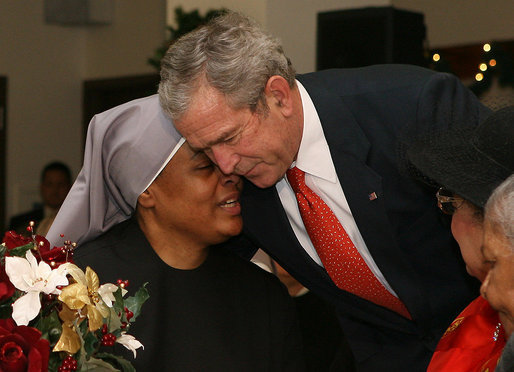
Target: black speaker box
point(367, 36)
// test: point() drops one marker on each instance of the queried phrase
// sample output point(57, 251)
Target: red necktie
point(336, 250)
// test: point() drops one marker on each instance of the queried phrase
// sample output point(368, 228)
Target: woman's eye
point(205, 166)
point(489, 264)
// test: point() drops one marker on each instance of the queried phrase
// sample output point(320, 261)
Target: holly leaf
point(21, 250)
point(135, 302)
point(98, 365)
point(114, 320)
point(118, 305)
point(50, 327)
point(90, 343)
point(118, 361)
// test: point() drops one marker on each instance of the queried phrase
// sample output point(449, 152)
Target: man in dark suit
point(54, 186)
point(391, 269)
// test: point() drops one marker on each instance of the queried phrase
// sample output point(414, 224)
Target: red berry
point(104, 329)
point(108, 339)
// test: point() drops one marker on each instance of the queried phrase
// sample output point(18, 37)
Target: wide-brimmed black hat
point(471, 162)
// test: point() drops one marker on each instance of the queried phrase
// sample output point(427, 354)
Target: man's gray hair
point(231, 53)
point(499, 209)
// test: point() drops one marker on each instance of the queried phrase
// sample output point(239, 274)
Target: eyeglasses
point(447, 202)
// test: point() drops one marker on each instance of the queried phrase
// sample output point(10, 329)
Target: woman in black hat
point(468, 164)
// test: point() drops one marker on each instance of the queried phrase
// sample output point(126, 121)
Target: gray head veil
point(126, 148)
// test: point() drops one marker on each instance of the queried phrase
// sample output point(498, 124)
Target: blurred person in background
point(55, 184)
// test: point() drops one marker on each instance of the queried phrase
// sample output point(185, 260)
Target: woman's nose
point(484, 286)
point(226, 179)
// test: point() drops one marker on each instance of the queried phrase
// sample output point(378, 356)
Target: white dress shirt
point(320, 176)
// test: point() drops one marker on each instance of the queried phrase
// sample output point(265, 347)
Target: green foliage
point(135, 302)
point(21, 251)
point(50, 327)
point(186, 22)
point(118, 362)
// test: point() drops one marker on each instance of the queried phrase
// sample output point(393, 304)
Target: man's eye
point(232, 140)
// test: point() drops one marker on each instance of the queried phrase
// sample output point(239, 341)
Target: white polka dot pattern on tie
point(341, 259)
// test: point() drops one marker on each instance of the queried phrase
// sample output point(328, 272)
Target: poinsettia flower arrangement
point(56, 317)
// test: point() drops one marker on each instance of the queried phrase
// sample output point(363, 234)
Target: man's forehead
point(209, 119)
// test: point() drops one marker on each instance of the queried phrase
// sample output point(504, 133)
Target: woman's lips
point(231, 205)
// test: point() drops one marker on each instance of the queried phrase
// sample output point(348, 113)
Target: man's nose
point(225, 158)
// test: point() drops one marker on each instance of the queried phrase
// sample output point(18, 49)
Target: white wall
point(46, 66)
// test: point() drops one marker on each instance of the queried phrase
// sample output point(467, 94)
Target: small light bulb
point(487, 47)
point(492, 62)
point(482, 67)
point(436, 57)
point(479, 77)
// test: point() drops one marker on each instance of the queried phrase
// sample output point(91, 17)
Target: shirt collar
point(314, 154)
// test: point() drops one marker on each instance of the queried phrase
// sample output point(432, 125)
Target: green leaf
point(54, 361)
point(6, 308)
point(114, 320)
point(118, 361)
point(50, 327)
point(21, 250)
point(135, 302)
point(91, 343)
point(118, 301)
point(97, 365)
point(3, 248)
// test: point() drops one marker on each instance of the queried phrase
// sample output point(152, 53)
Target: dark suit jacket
point(364, 112)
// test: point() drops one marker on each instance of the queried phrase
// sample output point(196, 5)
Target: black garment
point(325, 347)
point(226, 315)
point(20, 222)
point(506, 362)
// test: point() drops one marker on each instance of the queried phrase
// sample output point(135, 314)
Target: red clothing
point(469, 342)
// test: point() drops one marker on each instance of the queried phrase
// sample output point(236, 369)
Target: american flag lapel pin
point(372, 196)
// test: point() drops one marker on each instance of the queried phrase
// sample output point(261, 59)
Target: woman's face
point(196, 201)
point(467, 229)
point(498, 286)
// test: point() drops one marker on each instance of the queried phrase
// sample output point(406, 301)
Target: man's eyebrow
point(222, 137)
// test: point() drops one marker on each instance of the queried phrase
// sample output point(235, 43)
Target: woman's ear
point(146, 199)
point(279, 93)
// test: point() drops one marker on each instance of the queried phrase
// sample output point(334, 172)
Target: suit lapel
point(263, 211)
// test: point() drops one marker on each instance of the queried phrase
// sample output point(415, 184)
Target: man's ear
point(146, 199)
point(279, 93)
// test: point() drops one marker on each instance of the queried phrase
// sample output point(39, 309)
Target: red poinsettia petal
point(45, 247)
point(7, 324)
point(38, 356)
point(29, 334)
point(13, 240)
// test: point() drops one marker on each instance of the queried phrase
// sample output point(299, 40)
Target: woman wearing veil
point(147, 208)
